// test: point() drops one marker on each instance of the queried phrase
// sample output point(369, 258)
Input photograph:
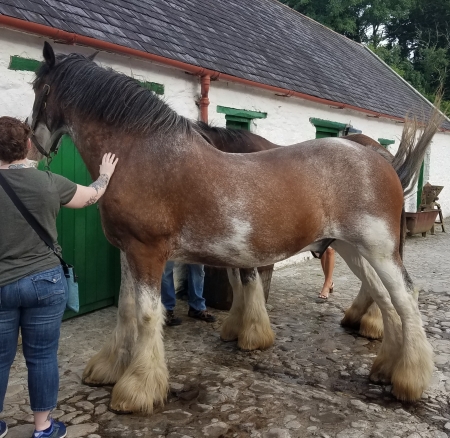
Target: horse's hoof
point(229, 340)
point(114, 411)
point(95, 385)
point(350, 323)
point(379, 379)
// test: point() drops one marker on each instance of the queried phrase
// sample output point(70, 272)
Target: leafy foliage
point(411, 36)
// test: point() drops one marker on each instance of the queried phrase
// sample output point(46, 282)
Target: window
point(385, 142)
point(326, 128)
point(156, 88)
point(239, 118)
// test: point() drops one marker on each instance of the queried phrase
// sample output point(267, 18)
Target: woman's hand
point(85, 196)
point(108, 164)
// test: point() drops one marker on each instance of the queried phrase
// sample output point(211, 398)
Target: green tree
point(424, 38)
point(363, 21)
point(411, 36)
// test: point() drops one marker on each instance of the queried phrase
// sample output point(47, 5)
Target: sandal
point(330, 291)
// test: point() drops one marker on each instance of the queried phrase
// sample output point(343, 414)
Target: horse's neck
point(92, 141)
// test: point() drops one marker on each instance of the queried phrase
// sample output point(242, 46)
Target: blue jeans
point(196, 278)
point(35, 304)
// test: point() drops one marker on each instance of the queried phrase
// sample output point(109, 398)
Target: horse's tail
point(408, 159)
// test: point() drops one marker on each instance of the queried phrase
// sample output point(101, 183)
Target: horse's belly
point(222, 253)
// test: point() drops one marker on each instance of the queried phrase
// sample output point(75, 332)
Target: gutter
point(72, 38)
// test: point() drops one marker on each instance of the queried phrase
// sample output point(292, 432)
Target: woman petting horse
point(233, 210)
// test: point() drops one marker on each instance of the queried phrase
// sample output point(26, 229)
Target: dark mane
point(109, 96)
point(232, 140)
point(224, 134)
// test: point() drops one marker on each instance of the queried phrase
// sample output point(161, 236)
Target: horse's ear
point(91, 57)
point(49, 54)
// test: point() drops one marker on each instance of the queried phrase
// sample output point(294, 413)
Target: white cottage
point(255, 65)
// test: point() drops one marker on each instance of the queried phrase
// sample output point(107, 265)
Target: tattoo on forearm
point(100, 184)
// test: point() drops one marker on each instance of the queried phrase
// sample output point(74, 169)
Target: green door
point(80, 234)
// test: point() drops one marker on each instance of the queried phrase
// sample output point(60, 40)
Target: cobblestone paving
point(312, 383)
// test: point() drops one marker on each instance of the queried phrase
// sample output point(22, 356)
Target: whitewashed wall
point(287, 119)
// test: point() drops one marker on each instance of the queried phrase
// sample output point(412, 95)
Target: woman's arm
point(85, 196)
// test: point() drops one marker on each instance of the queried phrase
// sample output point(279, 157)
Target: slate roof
point(260, 40)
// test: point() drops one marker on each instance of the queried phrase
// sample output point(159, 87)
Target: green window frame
point(153, 86)
point(385, 142)
point(327, 128)
point(239, 118)
point(25, 64)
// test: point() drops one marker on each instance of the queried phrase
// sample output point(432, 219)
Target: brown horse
point(174, 196)
point(363, 315)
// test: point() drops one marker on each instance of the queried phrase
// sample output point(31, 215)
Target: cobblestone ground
point(312, 383)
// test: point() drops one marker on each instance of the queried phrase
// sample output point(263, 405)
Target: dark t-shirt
point(22, 252)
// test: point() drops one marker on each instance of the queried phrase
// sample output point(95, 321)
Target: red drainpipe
point(72, 38)
point(204, 101)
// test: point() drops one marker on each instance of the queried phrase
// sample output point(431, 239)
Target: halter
point(55, 137)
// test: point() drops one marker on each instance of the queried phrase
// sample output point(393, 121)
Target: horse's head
point(47, 119)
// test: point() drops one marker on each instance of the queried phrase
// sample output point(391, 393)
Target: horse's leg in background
point(364, 315)
point(256, 332)
point(392, 340)
point(248, 320)
point(109, 364)
point(231, 327)
point(372, 323)
point(145, 381)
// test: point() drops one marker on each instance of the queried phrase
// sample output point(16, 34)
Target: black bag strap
point(40, 231)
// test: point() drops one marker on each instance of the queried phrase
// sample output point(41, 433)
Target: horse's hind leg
point(256, 332)
point(414, 365)
point(145, 381)
point(232, 325)
point(384, 363)
point(109, 364)
point(364, 315)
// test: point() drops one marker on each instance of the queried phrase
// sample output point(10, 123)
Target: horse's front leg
point(109, 364)
point(145, 381)
point(255, 332)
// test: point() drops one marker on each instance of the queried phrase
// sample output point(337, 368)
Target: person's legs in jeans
point(196, 280)
point(168, 297)
point(43, 299)
point(197, 306)
point(9, 329)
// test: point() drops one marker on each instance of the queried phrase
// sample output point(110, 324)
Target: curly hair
point(13, 139)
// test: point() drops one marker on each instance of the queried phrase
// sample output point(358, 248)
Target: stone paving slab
point(312, 383)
